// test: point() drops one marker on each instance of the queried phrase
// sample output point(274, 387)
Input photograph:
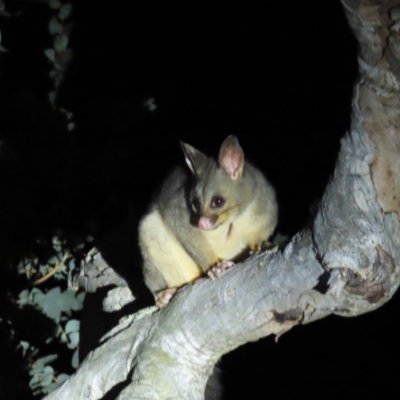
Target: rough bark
point(347, 264)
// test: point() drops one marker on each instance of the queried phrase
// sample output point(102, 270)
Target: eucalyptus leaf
point(34, 382)
point(47, 359)
point(56, 240)
point(73, 340)
point(23, 298)
point(55, 26)
point(56, 247)
point(78, 304)
point(60, 43)
point(62, 378)
point(75, 359)
point(65, 11)
point(52, 96)
point(47, 378)
point(52, 306)
point(55, 4)
point(38, 298)
point(72, 326)
point(24, 345)
point(49, 340)
point(49, 388)
point(71, 264)
point(59, 66)
point(53, 74)
point(53, 260)
point(64, 338)
point(50, 54)
point(36, 370)
point(44, 269)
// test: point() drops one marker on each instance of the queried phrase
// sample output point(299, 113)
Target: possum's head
point(220, 190)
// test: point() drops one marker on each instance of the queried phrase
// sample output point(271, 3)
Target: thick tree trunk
point(347, 264)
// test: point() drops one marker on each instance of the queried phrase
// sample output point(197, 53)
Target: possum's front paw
point(217, 270)
point(165, 296)
point(258, 248)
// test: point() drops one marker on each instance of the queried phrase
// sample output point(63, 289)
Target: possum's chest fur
point(230, 239)
point(165, 253)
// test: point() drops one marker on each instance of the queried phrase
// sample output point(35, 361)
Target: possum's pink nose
point(205, 223)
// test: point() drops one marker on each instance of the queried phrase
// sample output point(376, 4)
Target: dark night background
point(279, 76)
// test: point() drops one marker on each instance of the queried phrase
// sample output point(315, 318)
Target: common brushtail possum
point(204, 218)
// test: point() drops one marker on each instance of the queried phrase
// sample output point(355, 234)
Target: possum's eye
point(217, 202)
point(196, 204)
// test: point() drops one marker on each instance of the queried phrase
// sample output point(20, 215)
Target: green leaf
point(56, 247)
point(50, 54)
point(72, 326)
point(52, 306)
point(73, 340)
point(64, 337)
point(46, 359)
point(55, 26)
point(78, 301)
point(44, 269)
point(60, 43)
point(34, 382)
point(71, 263)
point(36, 370)
point(55, 4)
point(48, 375)
point(50, 388)
point(23, 298)
point(49, 340)
point(37, 298)
point(62, 378)
point(75, 359)
point(70, 302)
point(65, 11)
point(53, 260)
point(25, 346)
point(52, 96)
point(56, 240)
